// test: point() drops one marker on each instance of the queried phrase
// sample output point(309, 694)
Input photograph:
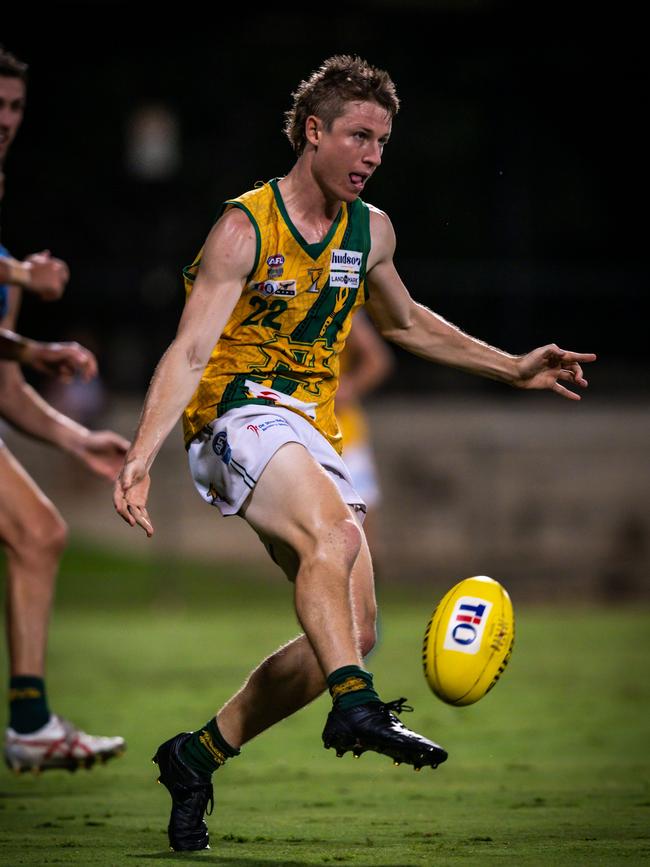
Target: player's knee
point(45, 538)
point(332, 549)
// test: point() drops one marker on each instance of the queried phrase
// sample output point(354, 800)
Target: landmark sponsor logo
point(344, 278)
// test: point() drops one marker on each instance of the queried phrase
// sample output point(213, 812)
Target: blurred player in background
point(254, 367)
point(366, 362)
point(32, 531)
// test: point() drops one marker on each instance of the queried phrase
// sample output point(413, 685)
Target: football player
point(32, 531)
point(254, 371)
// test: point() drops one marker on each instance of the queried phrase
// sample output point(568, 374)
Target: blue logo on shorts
point(221, 448)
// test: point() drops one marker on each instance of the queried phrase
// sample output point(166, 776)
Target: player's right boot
point(191, 793)
point(58, 745)
point(374, 726)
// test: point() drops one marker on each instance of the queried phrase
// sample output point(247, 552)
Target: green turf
point(551, 768)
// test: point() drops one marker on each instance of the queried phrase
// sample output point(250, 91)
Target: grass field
point(552, 768)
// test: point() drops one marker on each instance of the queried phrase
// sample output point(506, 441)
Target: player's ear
point(313, 130)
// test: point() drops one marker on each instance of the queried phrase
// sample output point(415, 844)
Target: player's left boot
point(374, 726)
point(191, 794)
point(58, 745)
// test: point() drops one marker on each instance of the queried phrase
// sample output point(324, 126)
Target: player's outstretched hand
point(102, 451)
point(47, 275)
point(549, 367)
point(62, 360)
point(130, 495)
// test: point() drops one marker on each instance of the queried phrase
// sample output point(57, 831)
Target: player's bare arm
point(24, 409)
point(101, 451)
point(227, 259)
point(424, 333)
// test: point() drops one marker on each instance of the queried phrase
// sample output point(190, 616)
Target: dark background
point(515, 176)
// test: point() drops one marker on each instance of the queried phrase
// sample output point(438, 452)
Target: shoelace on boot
point(398, 705)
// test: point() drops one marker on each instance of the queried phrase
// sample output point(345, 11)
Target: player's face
point(12, 107)
point(348, 153)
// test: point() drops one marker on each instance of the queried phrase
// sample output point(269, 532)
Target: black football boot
point(373, 726)
point(191, 793)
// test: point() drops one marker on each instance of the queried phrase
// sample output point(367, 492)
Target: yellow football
point(468, 640)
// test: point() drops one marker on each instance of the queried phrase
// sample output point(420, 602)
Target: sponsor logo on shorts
point(467, 624)
point(221, 448)
point(276, 421)
point(343, 278)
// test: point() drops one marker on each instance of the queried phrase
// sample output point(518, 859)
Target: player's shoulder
point(381, 228)
point(260, 193)
point(233, 221)
point(379, 220)
point(232, 239)
point(375, 211)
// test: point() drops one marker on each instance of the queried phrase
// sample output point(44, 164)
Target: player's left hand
point(63, 360)
point(549, 366)
point(103, 452)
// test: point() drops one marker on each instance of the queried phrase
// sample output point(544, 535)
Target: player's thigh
point(295, 505)
point(27, 516)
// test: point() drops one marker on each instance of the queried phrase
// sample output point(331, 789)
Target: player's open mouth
point(358, 180)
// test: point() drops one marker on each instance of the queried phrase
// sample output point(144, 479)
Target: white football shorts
point(228, 456)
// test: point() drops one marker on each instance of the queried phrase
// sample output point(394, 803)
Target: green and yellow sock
point(351, 686)
point(206, 749)
point(28, 709)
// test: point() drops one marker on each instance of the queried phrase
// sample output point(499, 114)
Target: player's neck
point(310, 209)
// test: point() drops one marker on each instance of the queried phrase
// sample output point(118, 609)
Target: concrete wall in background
point(548, 496)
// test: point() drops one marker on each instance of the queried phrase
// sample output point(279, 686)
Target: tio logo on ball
point(467, 624)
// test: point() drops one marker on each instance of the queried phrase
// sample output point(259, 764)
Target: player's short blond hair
point(338, 80)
